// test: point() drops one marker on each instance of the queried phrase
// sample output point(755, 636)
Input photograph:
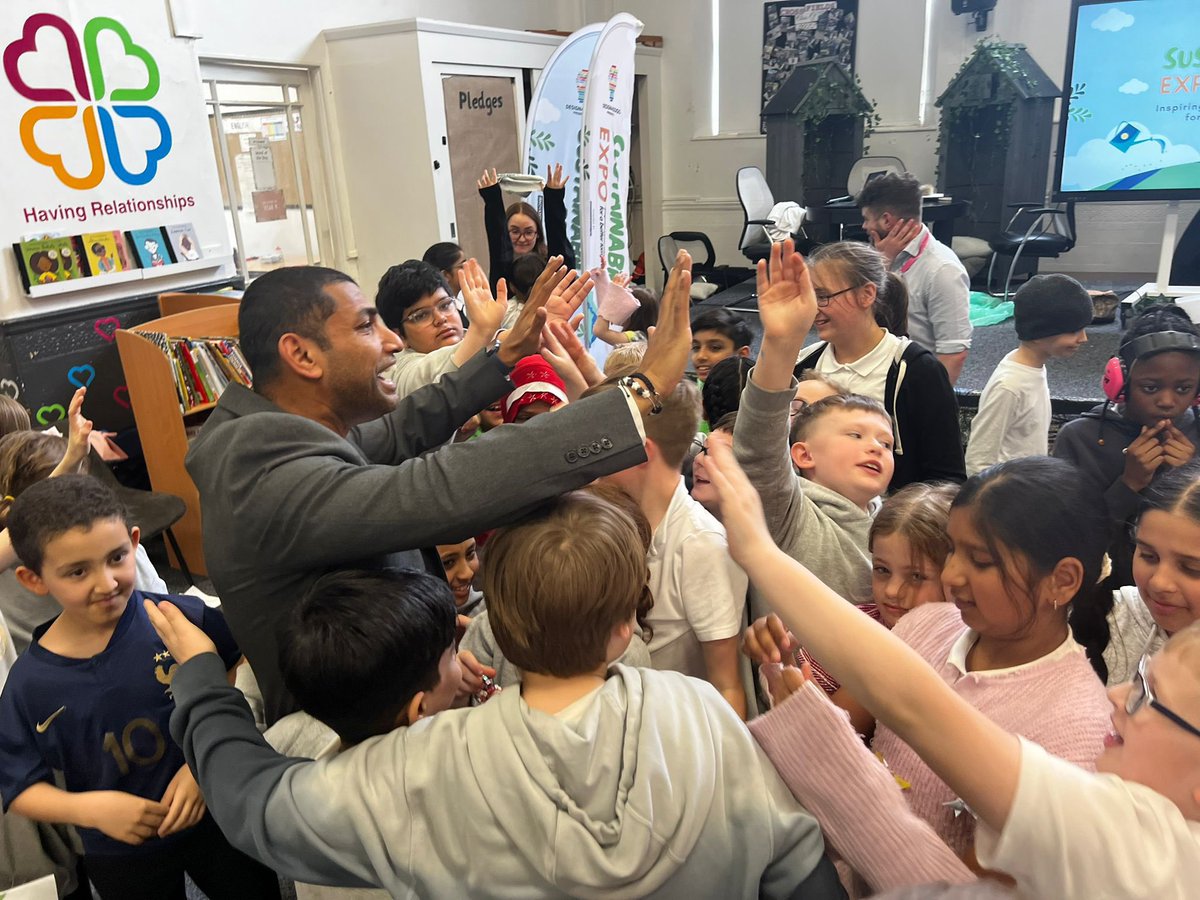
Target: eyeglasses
point(527, 233)
point(1140, 694)
point(797, 405)
point(823, 298)
point(424, 315)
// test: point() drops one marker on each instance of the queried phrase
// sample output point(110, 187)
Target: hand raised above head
point(787, 304)
point(485, 311)
point(525, 337)
point(670, 344)
point(555, 178)
point(488, 179)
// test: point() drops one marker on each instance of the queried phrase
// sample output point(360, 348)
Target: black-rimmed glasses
point(823, 299)
point(1140, 694)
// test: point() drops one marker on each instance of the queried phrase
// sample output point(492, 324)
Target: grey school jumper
point(649, 787)
point(812, 524)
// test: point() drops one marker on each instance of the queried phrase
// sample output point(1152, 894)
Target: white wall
point(699, 168)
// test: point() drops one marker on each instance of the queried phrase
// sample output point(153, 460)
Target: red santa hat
point(533, 380)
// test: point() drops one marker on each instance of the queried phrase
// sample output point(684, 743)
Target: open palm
point(786, 302)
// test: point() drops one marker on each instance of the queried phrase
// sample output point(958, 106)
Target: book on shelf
point(202, 367)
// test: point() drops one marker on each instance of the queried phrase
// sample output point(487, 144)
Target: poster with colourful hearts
point(103, 128)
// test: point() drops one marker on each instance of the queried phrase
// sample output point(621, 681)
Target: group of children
point(562, 714)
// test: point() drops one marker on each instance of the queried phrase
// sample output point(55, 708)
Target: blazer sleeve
point(495, 223)
point(555, 209)
point(352, 511)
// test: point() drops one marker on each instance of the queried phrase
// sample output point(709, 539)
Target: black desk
point(938, 216)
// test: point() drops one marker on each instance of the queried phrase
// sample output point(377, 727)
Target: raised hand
point(79, 434)
point(487, 179)
point(555, 177)
point(184, 802)
point(564, 332)
point(561, 362)
point(786, 301)
point(569, 295)
point(182, 639)
point(123, 817)
point(898, 238)
point(485, 311)
point(670, 344)
point(525, 337)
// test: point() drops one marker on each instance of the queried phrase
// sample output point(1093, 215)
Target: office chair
point(1050, 233)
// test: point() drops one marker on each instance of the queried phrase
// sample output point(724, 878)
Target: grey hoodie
point(650, 787)
point(814, 525)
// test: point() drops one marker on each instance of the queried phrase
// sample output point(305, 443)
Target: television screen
point(1130, 124)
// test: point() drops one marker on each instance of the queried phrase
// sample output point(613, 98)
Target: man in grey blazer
point(319, 467)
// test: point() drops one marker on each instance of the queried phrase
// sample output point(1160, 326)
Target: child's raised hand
point(768, 641)
point(182, 639)
point(79, 434)
point(485, 311)
point(786, 302)
point(568, 296)
point(555, 178)
point(123, 817)
point(184, 802)
point(487, 179)
point(525, 336)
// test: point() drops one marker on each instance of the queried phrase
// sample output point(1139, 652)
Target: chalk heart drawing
point(121, 396)
point(81, 376)
point(48, 415)
point(9, 387)
point(107, 327)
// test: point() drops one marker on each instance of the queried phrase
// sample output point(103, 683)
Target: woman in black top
point(518, 230)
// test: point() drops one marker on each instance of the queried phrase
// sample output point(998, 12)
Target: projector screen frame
point(1061, 196)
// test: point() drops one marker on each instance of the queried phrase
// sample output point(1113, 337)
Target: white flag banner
point(556, 113)
point(604, 179)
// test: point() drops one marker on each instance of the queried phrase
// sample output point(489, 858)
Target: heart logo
point(55, 160)
point(81, 376)
point(121, 396)
point(9, 387)
point(48, 415)
point(153, 154)
point(107, 327)
point(90, 32)
point(27, 43)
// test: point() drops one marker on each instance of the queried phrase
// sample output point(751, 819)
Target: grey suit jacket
point(284, 499)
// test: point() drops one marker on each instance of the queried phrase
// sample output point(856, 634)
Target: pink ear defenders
point(1116, 373)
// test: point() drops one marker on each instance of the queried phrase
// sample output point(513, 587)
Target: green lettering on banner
point(616, 225)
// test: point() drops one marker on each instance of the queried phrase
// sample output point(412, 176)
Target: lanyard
point(921, 249)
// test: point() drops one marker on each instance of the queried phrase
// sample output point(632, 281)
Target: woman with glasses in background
point(518, 230)
point(862, 312)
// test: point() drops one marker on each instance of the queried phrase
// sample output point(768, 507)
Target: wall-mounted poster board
point(802, 30)
point(102, 130)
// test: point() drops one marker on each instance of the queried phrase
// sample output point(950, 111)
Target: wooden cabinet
point(161, 423)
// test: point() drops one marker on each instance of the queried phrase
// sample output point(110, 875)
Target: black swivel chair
point(704, 257)
point(1049, 234)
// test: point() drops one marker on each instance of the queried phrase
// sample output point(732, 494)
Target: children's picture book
point(150, 247)
point(48, 260)
point(100, 248)
point(184, 242)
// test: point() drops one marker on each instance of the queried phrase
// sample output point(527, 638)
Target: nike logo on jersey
point(42, 726)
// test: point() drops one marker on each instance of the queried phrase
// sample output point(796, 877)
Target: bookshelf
point(160, 422)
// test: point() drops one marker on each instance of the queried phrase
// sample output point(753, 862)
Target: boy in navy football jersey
point(91, 698)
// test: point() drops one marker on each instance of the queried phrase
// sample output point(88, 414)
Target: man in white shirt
point(939, 289)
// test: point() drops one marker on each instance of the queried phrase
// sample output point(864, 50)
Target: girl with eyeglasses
point(1026, 543)
point(1131, 829)
point(518, 230)
point(861, 319)
point(1165, 596)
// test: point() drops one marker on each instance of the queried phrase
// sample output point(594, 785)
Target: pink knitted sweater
point(1057, 701)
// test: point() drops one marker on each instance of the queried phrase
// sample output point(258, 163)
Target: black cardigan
point(924, 412)
point(500, 248)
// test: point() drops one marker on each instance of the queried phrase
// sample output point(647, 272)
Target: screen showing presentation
point(1130, 127)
